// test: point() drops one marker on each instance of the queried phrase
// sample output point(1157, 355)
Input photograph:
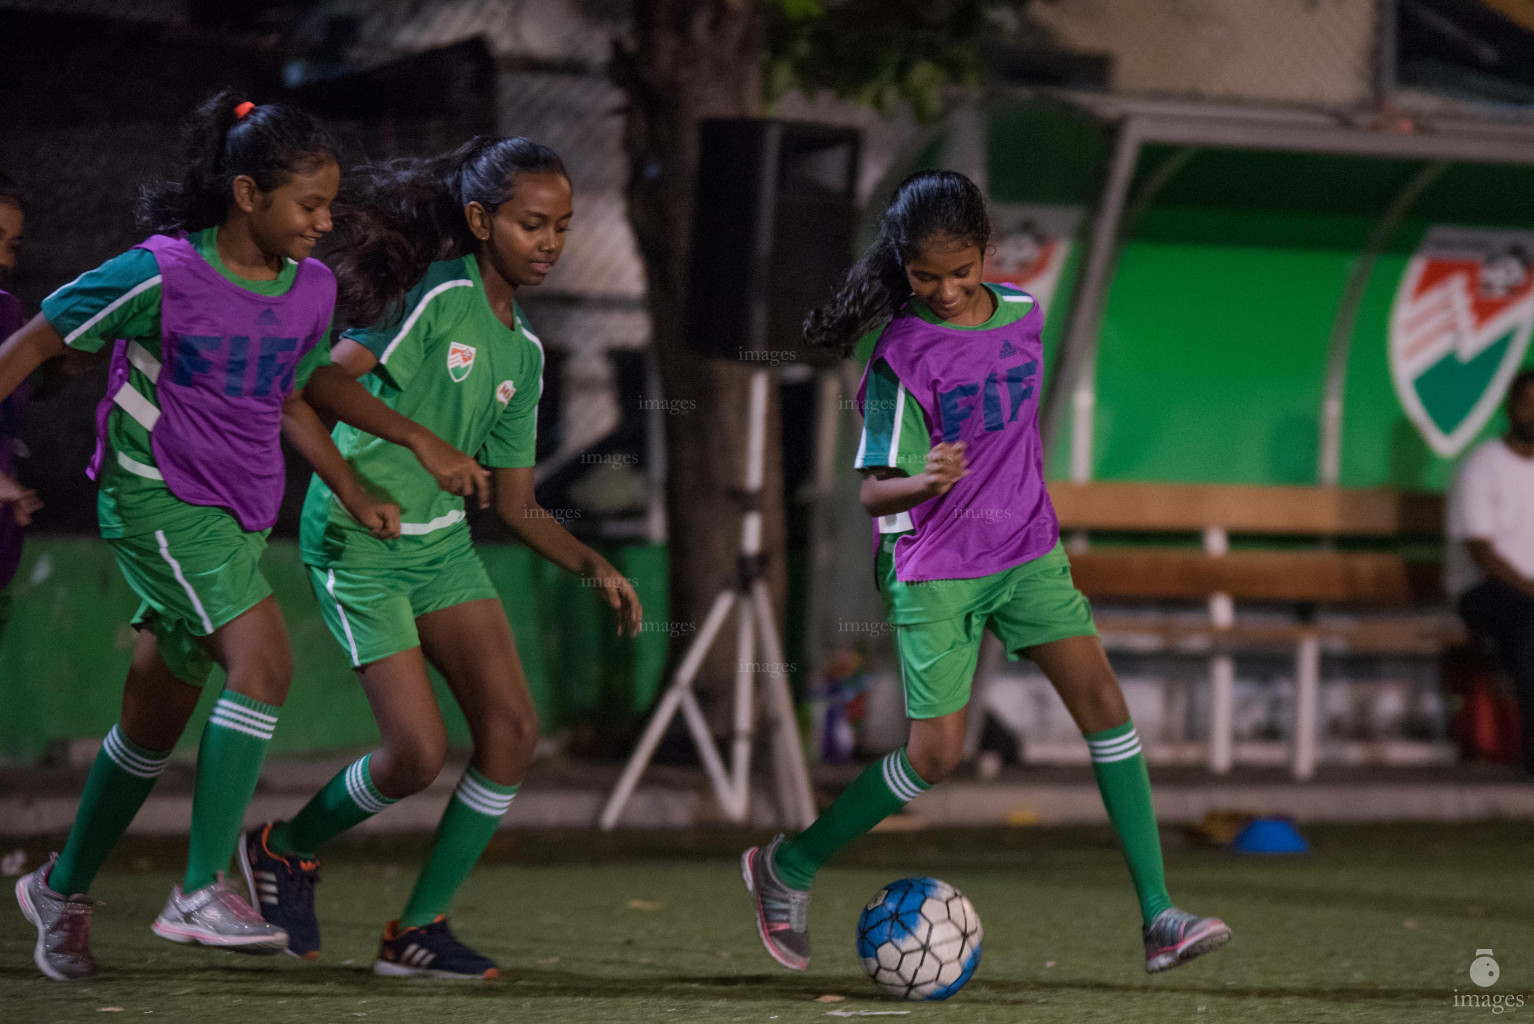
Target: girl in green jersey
point(437, 257)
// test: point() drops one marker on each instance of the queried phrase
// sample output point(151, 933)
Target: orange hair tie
point(243, 109)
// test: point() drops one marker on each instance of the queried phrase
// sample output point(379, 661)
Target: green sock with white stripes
point(1119, 765)
point(880, 791)
point(347, 799)
point(471, 818)
point(228, 765)
point(120, 780)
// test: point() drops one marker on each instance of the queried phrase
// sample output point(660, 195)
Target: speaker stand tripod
point(755, 622)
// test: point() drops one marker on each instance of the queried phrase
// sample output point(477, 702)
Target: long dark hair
point(10, 193)
point(269, 144)
point(394, 219)
point(1523, 379)
point(927, 205)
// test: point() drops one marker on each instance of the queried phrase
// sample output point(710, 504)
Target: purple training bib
point(982, 388)
point(228, 357)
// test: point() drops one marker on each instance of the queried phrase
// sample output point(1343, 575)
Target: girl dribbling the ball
point(966, 540)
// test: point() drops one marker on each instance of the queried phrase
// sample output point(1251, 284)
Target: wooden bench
point(1289, 555)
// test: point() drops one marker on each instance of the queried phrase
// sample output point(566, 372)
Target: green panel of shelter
point(1212, 355)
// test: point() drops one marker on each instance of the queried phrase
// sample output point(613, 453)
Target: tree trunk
point(685, 60)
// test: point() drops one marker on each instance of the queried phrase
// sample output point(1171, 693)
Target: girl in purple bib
point(218, 325)
point(965, 540)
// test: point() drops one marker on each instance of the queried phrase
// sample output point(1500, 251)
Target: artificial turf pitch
point(1378, 923)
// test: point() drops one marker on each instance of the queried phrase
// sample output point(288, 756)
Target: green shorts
point(1035, 603)
point(372, 612)
point(193, 577)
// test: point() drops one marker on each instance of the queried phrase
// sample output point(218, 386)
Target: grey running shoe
point(782, 913)
point(216, 915)
point(1176, 936)
point(63, 950)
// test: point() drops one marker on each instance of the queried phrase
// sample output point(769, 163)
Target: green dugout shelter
point(1249, 295)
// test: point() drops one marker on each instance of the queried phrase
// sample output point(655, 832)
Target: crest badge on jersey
point(504, 390)
point(1459, 330)
point(460, 360)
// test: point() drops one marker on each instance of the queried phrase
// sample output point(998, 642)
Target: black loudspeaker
point(772, 236)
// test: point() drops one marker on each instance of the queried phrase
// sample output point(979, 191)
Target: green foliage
point(881, 52)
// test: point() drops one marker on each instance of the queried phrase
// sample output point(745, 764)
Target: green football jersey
point(451, 365)
point(896, 433)
point(121, 300)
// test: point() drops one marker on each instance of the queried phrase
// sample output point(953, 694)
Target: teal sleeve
point(895, 431)
point(119, 299)
point(513, 441)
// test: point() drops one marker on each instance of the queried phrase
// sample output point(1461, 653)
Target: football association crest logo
point(1459, 330)
point(1032, 245)
point(460, 360)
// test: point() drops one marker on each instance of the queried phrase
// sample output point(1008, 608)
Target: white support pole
point(1222, 667)
point(745, 707)
point(756, 440)
point(1222, 703)
point(1307, 704)
point(1074, 372)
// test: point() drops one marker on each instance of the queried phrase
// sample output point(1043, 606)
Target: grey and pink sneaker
point(1176, 936)
point(782, 913)
point(216, 915)
point(63, 950)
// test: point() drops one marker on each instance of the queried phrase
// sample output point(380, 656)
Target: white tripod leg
point(799, 805)
point(681, 687)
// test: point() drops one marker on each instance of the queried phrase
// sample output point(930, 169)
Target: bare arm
point(334, 390)
point(887, 490)
point(304, 431)
point(519, 510)
point(20, 354)
point(26, 350)
point(1495, 567)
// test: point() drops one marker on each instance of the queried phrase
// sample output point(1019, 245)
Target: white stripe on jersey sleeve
point(142, 286)
point(415, 314)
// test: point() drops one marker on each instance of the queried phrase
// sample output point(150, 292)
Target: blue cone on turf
point(1269, 835)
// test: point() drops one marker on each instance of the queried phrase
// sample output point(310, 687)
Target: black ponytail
point(269, 144)
point(927, 205)
point(394, 219)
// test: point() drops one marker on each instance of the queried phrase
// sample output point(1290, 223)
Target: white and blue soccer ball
point(919, 939)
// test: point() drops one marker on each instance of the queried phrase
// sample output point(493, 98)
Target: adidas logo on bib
point(1007, 350)
point(267, 316)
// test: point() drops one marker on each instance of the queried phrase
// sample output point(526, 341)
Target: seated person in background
point(1489, 564)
